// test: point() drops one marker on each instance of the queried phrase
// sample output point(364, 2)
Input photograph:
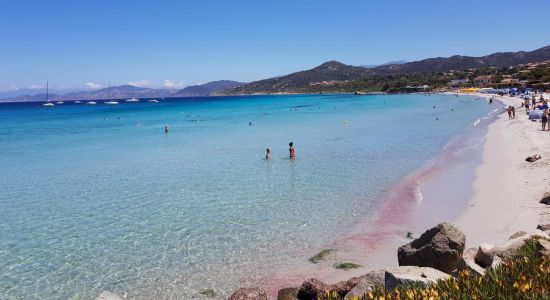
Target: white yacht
point(132, 100)
point(59, 102)
point(110, 101)
point(48, 103)
point(91, 103)
point(78, 102)
point(154, 101)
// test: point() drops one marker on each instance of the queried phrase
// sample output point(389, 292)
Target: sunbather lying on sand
point(533, 158)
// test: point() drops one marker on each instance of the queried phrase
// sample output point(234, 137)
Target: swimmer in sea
point(267, 154)
point(291, 150)
point(165, 129)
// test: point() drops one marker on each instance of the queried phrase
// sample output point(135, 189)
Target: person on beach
point(526, 104)
point(267, 154)
point(509, 111)
point(291, 150)
point(513, 112)
point(544, 119)
point(165, 129)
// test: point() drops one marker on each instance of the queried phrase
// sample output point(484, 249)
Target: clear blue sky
point(185, 42)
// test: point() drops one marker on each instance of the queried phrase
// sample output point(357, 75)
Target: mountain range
point(333, 72)
point(129, 91)
point(329, 76)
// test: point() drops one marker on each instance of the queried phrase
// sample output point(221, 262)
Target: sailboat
point(110, 102)
point(132, 100)
point(48, 103)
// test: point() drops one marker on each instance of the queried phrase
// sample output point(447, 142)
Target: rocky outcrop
point(545, 199)
point(413, 275)
point(249, 294)
point(544, 227)
point(440, 247)
point(287, 294)
point(106, 295)
point(366, 284)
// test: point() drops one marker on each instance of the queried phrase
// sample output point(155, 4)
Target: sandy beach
point(507, 189)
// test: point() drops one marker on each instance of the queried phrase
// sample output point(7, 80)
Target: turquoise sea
point(98, 198)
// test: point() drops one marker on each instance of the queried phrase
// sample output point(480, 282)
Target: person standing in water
point(166, 129)
point(291, 150)
point(267, 154)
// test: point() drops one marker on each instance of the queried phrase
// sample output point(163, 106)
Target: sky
point(86, 44)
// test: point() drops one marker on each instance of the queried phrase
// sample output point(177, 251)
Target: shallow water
point(98, 198)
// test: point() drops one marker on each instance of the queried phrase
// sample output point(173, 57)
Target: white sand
point(507, 189)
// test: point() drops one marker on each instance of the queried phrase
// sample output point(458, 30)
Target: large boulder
point(544, 227)
point(249, 294)
point(287, 294)
point(440, 248)
point(106, 295)
point(424, 276)
point(367, 283)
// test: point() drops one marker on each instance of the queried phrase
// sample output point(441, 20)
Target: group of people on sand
point(291, 152)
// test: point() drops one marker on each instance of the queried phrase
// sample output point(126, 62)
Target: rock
point(440, 247)
point(366, 284)
point(544, 227)
point(468, 262)
point(545, 199)
point(543, 248)
point(484, 256)
point(249, 294)
point(410, 274)
point(312, 288)
point(287, 294)
point(106, 295)
point(517, 234)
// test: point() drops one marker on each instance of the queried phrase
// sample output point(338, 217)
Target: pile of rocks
point(438, 254)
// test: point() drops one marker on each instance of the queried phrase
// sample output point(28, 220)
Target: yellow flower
point(410, 294)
